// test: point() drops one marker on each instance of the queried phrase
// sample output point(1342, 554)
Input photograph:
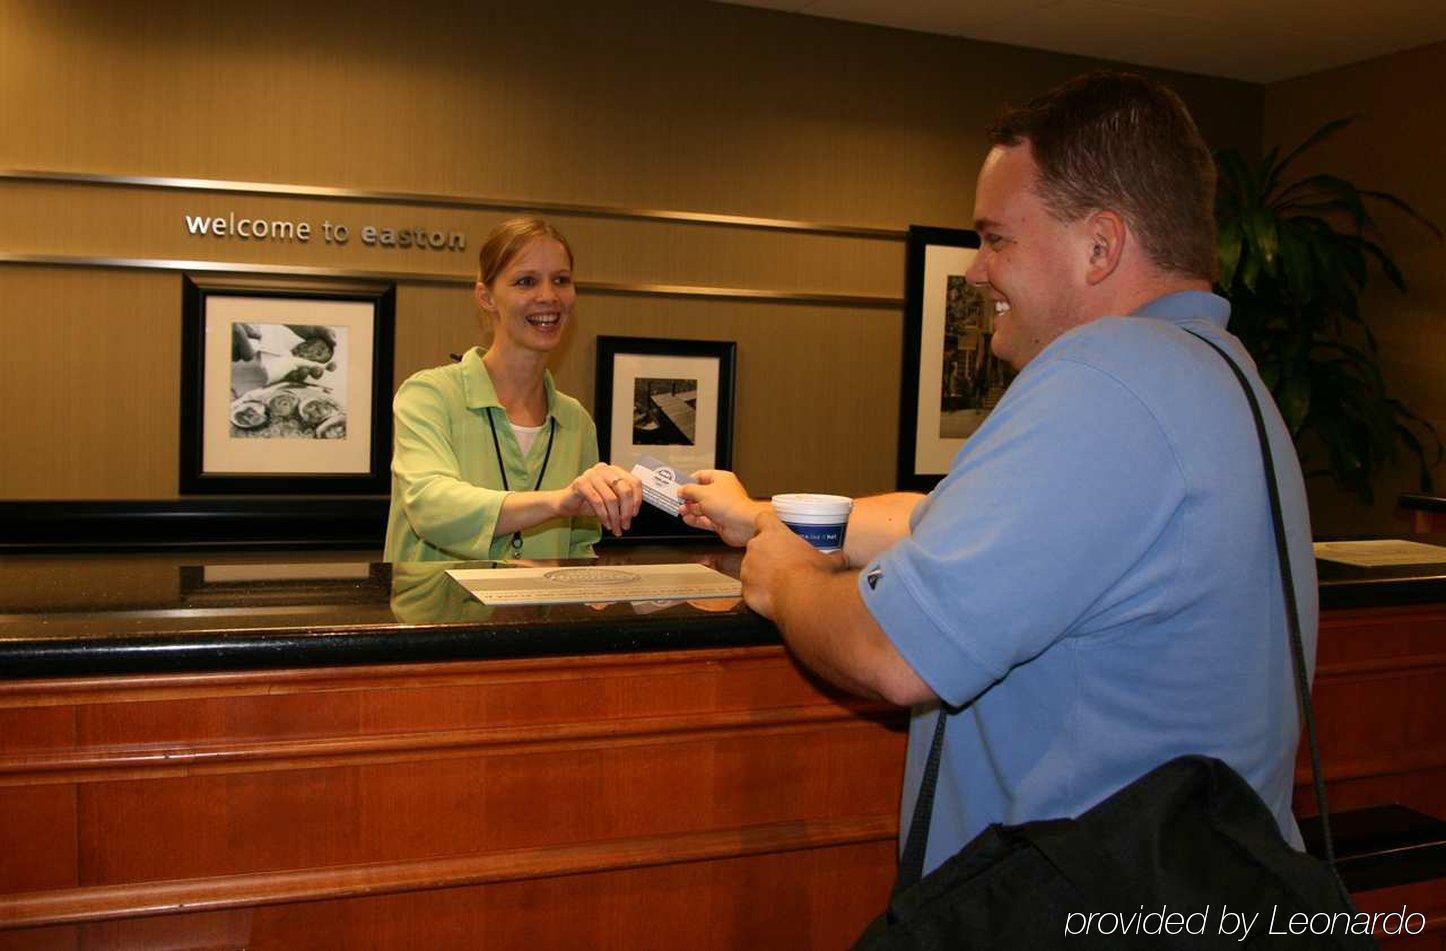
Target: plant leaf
point(1235, 173)
point(1261, 235)
point(1269, 172)
point(1294, 400)
point(1319, 135)
point(1392, 200)
point(1327, 185)
point(1227, 252)
point(1393, 273)
point(1294, 257)
point(1297, 267)
point(1250, 270)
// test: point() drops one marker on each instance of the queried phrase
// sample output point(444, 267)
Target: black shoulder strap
point(1292, 612)
point(911, 862)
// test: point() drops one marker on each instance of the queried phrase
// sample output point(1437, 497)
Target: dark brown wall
point(1396, 146)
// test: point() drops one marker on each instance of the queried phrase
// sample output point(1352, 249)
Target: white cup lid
point(810, 503)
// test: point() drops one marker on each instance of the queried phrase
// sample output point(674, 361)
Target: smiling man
point(1094, 584)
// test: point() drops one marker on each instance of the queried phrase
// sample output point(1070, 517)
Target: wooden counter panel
point(44, 728)
point(706, 798)
point(38, 842)
point(230, 783)
point(204, 825)
point(130, 710)
point(1425, 898)
point(1380, 701)
point(818, 897)
point(1380, 635)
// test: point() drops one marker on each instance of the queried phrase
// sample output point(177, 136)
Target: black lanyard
point(502, 467)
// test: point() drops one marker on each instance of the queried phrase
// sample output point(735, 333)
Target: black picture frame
point(629, 366)
point(271, 454)
point(935, 260)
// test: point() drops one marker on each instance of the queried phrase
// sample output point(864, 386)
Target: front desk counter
point(315, 751)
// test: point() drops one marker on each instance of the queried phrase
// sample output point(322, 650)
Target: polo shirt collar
point(1182, 306)
point(480, 393)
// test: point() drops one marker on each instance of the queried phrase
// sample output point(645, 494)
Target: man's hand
point(719, 503)
point(777, 558)
point(814, 600)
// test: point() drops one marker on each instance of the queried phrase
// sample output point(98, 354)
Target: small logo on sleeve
point(873, 577)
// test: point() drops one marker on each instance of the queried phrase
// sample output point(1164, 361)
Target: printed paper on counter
point(587, 584)
point(1381, 553)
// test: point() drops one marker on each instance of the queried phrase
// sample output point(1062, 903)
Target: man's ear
point(484, 298)
point(1105, 232)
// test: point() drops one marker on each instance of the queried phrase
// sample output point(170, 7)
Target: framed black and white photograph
point(671, 400)
point(286, 387)
point(951, 378)
point(668, 399)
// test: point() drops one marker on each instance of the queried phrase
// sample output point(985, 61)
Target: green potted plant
point(1294, 257)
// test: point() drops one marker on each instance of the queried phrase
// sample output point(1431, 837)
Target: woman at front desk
point(490, 461)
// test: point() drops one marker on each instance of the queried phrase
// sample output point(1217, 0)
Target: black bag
point(1186, 849)
point(1186, 856)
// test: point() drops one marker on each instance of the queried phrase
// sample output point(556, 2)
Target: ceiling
point(1255, 40)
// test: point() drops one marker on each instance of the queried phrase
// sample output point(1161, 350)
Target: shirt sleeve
point(586, 531)
point(448, 512)
point(1060, 495)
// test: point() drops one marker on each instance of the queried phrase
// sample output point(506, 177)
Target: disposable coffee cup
point(820, 520)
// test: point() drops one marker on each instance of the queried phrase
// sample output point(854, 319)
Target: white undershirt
point(526, 436)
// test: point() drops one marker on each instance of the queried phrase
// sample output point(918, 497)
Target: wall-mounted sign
point(285, 231)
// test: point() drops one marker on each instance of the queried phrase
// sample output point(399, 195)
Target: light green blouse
point(446, 482)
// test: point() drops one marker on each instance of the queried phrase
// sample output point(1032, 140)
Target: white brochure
point(587, 584)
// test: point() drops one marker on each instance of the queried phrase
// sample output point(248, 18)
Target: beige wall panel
point(110, 221)
point(435, 320)
point(662, 104)
point(1395, 146)
point(91, 383)
point(827, 420)
point(654, 103)
point(818, 387)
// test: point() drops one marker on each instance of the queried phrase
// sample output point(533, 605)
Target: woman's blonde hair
point(508, 239)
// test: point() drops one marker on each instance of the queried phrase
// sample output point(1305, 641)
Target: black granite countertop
point(1347, 586)
point(80, 615)
point(77, 615)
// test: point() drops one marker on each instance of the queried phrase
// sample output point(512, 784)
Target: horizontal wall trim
point(156, 760)
point(111, 902)
point(635, 289)
point(273, 189)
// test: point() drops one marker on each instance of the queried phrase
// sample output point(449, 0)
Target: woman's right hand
point(719, 503)
point(609, 492)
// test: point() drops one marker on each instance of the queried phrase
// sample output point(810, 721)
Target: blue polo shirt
point(1095, 581)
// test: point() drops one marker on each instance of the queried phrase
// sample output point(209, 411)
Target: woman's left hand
point(610, 492)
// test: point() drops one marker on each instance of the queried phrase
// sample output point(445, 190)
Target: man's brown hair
point(1119, 141)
